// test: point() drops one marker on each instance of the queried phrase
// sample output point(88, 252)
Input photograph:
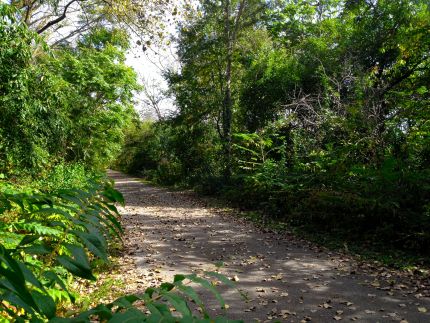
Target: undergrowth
point(50, 240)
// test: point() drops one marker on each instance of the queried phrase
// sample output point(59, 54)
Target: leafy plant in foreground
point(48, 239)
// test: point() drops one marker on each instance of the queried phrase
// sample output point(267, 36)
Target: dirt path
point(285, 279)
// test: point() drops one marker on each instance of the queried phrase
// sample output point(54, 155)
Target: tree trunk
point(227, 103)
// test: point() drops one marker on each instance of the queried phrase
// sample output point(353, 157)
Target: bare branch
point(57, 20)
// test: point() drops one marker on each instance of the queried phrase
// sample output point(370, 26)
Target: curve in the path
point(285, 279)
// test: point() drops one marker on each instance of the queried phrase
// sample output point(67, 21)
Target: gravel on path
point(285, 278)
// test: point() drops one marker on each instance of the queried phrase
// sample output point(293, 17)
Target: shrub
point(47, 239)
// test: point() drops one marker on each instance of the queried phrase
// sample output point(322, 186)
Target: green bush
point(170, 155)
point(65, 175)
point(65, 104)
point(48, 239)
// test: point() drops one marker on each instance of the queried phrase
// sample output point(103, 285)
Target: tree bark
point(230, 34)
point(227, 103)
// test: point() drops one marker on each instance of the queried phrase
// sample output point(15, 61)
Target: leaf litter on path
point(176, 232)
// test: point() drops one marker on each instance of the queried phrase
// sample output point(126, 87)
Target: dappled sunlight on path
point(284, 278)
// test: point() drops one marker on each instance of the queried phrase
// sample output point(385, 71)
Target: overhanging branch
point(57, 20)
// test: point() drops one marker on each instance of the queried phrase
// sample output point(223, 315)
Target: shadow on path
point(285, 279)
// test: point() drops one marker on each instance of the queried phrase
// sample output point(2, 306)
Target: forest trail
point(286, 279)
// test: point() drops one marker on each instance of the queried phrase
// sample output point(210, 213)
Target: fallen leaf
point(375, 284)
point(422, 310)
point(283, 312)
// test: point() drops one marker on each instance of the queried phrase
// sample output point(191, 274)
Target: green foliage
point(45, 236)
point(330, 116)
point(30, 125)
point(158, 303)
point(101, 89)
point(65, 175)
point(68, 104)
point(47, 239)
point(168, 154)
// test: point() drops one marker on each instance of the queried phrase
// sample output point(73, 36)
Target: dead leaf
point(375, 284)
point(283, 312)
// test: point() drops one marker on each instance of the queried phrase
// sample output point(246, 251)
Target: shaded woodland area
point(313, 113)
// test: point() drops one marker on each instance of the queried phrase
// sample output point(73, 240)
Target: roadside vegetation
point(65, 103)
point(316, 114)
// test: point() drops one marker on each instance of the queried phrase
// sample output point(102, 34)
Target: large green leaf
point(177, 302)
point(131, 315)
point(207, 285)
point(94, 242)
point(45, 304)
point(113, 195)
point(79, 265)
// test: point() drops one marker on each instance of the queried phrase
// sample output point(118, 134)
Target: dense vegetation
point(65, 102)
point(60, 105)
point(316, 112)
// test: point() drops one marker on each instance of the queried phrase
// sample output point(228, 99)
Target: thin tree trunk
point(227, 115)
point(227, 118)
point(227, 103)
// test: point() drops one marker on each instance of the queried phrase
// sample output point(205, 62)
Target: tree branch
point(57, 20)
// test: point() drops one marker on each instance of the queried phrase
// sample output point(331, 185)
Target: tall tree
point(210, 57)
